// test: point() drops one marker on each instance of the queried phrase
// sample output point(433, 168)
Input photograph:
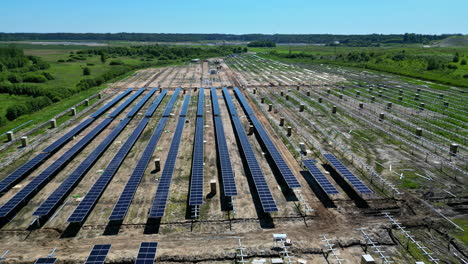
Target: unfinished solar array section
point(347, 174)
point(23, 171)
point(264, 193)
point(9, 209)
point(160, 200)
point(278, 159)
point(322, 181)
point(147, 253)
point(196, 179)
point(98, 254)
point(93, 195)
point(125, 199)
point(54, 200)
point(227, 174)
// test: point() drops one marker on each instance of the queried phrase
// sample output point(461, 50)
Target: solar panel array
point(155, 105)
point(121, 107)
point(45, 261)
point(24, 195)
point(261, 186)
point(160, 199)
point(8, 182)
point(322, 181)
point(98, 254)
point(54, 200)
point(89, 201)
point(278, 159)
point(227, 174)
point(347, 174)
point(122, 205)
point(147, 253)
point(196, 179)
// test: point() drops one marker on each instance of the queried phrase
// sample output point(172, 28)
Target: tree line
point(278, 38)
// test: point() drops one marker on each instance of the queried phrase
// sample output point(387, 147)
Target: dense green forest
point(262, 44)
point(35, 82)
point(353, 40)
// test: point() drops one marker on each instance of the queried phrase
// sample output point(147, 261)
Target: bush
point(34, 78)
point(89, 64)
point(48, 76)
point(116, 62)
point(452, 67)
point(32, 105)
point(86, 71)
point(14, 78)
point(61, 60)
point(463, 62)
point(465, 76)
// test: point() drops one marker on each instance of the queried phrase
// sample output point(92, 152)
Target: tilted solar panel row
point(125, 199)
point(56, 198)
point(196, 179)
point(98, 254)
point(106, 107)
point(24, 195)
point(322, 181)
point(347, 174)
point(261, 186)
point(8, 182)
point(214, 102)
point(171, 103)
point(140, 104)
point(244, 103)
point(278, 159)
point(160, 199)
point(121, 107)
point(229, 103)
point(201, 103)
point(155, 105)
point(147, 253)
point(227, 174)
point(80, 214)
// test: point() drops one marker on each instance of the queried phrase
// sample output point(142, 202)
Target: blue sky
point(236, 17)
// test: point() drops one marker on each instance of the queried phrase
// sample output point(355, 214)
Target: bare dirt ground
point(213, 238)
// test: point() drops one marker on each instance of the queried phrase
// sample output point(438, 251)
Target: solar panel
point(160, 199)
point(98, 254)
point(230, 104)
point(244, 102)
point(196, 180)
point(322, 181)
point(214, 102)
point(93, 195)
point(106, 107)
point(167, 112)
point(278, 159)
point(261, 186)
point(121, 107)
point(45, 261)
point(8, 182)
point(227, 174)
point(24, 195)
point(155, 104)
point(201, 103)
point(122, 205)
point(140, 104)
point(147, 253)
point(347, 174)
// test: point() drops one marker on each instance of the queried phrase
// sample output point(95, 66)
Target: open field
point(394, 134)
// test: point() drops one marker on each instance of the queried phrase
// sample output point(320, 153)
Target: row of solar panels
point(98, 255)
point(9, 209)
point(196, 179)
point(16, 176)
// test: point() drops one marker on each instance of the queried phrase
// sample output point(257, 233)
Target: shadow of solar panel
point(98, 254)
point(323, 182)
point(347, 174)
